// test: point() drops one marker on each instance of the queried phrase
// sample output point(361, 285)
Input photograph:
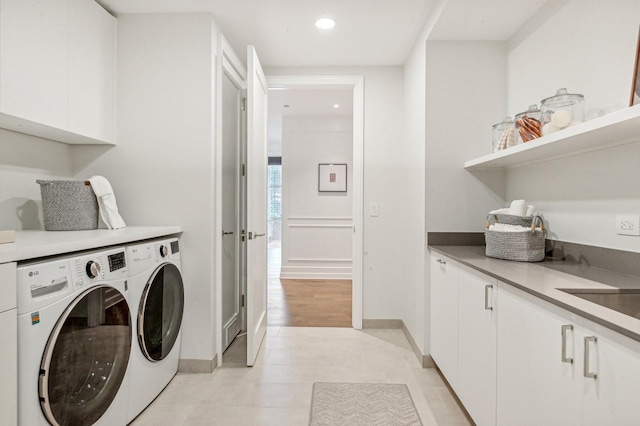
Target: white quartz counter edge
point(35, 244)
point(545, 284)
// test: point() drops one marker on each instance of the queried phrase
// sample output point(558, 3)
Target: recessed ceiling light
point(325, 23)
point(336, 106)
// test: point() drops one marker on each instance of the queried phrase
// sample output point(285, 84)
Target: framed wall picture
point(332, 177)
point(635, 85)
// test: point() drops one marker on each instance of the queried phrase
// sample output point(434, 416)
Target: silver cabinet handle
point(486, 297)
point(587, 372)
point(565, 358)
point(440, 261)
point(258, 235)
point(227, 233)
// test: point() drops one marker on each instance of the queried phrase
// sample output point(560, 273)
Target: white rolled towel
point(505, 210)
point(530, 210)
point(503, 227)
point(107, 202)
point(518, 208)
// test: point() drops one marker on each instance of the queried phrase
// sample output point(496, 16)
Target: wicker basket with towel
point(521, 241)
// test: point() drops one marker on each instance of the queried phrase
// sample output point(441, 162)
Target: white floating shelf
point(618, 128)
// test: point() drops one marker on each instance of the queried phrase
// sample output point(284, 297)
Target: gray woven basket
point(510, 219)
point(519, 246)
point(68, 205)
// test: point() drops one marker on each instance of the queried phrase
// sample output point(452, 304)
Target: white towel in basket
point(107, 202)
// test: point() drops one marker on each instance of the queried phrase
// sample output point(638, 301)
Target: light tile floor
point(277, 390)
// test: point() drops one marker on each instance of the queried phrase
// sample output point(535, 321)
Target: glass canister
point(528, 124)
point(504, 135)
point(561, 111)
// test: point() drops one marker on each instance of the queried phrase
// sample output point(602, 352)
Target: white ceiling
point(304, 102)
point(484, 19)
point(368, 32)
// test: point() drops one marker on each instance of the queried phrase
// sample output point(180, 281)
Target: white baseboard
point(425, 360)
point(198, 365)
point(316, 272)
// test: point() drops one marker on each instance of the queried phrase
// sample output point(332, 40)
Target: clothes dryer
point(156, 291)
point(74, 340)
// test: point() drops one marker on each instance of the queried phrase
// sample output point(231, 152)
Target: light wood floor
point(306, 303)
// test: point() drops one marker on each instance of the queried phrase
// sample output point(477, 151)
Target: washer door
point(86, 357)
point(160, 313)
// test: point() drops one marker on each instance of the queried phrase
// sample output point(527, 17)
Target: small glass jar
point(528, 124)
point(561, 111)
point(504, 135)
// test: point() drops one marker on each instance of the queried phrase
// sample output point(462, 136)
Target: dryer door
point(160, 312)
point(86, 357)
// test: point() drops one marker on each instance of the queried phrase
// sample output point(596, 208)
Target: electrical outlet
point(628, 225)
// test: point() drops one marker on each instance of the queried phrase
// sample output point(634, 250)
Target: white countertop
point(545, 279)
point(35, 244)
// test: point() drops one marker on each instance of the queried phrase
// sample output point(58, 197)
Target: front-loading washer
point(74, 340)
point(156, 292)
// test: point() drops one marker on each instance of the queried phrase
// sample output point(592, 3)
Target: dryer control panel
point(100, 266)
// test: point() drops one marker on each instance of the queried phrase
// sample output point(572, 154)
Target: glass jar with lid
point(528, 124)
point(561, 111)
point(504, 135)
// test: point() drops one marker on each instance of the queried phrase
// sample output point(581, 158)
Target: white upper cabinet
point(57, 70)
point(34, 60)
point(92, 52)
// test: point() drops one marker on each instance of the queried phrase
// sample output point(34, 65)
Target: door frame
point(227, 62)
point(356, 83)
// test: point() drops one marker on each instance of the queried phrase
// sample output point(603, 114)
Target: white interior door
point(230, 192)
point(231, 110)
point(257, 89)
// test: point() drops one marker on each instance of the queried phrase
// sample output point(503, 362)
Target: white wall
point(162, 168)
point(414, 312)
point(388, 259)
point(465, 95)
point(23, 159)
point(317, 230)
point(588, 47)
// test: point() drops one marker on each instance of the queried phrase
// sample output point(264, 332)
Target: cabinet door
point(610, 397)
point(444, 316)
point(9, 367)
point(8, 345)
point(92, 49)
point(477, 345)
point(535, 387)
point(34, 60)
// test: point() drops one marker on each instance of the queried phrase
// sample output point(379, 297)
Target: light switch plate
point(374, 209)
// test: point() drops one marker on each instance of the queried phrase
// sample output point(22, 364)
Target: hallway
point(305, 303)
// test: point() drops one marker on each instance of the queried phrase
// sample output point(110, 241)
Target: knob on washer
point(92, 269)
point(164, 251)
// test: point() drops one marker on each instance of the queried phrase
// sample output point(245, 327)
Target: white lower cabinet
point(515, 359)
point(477, 315)
point(444, 316)
point(535, 387)
point(463, 334)
point(8, 345)
point(557, 368)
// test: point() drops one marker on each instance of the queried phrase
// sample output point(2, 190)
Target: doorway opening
point(314, 267)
